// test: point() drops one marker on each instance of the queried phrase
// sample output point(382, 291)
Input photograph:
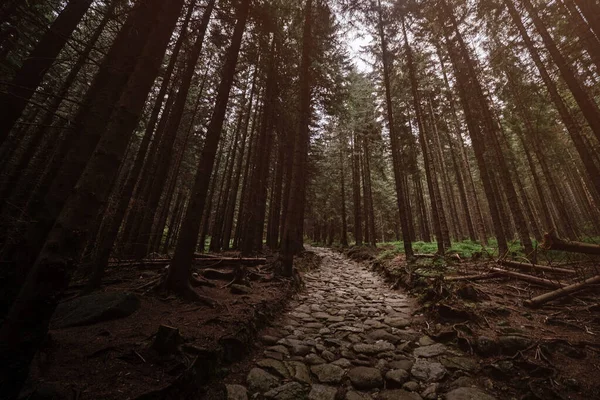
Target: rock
point(398, 394)
point(428, 371)
point(461, 363)
point(430, 393)
point(300, 350)
point(298, 371)
point(322, 392)
point(328, 373)
point(260, 380)
point(374, 348)
point(512, 344)
point(486, 346)
point(396, 378)
point(274, 366)
point(279, 349)
point(351, 395)
point(411, 386)
point(97, 307)
point(401, 364)
point(342, 362)
point(396, 322)
point(465, 393)
point(269, 340)
point(240, 289)
point(365, 378)
point(430, 351)
point(327, 355)
point(426, 341)
point(463, 381)
point(236, 392)
point(313, 359)
point(273, 354)
point(382, 334)
point(289, 391)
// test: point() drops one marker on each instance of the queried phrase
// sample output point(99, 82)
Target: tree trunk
point(179, 273)
point(294, 218)
point(402, 201)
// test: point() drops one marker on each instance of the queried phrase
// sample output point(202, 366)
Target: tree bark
point(179, 273)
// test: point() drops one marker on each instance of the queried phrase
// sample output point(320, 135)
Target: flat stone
point(397, 322)
point(274, 366)
point(355, 329)
point(430, 393)
point(365, 378)
point(430, 351)
point(396, 378)
point(289, 391)
point(426, 341)
point(328, 373)
point(428, 371)
point(274, 355)
point(279, 349)
point(342, 362)
point(374, 348)
point(462, 363)
point(335, 318)
point(269, 340)
point(352, 395)
point(322, 392)
point(313, 359)
point(236, 392)
point(411, 386)
point(298, 371)
point(260, 380)
point(398, 394)
point(402, 364)
point(314, 325)
point(94, 308)
point(321, 315)
point(300, 350)
point(465, 393)
point(327, 355)
point(382, 334)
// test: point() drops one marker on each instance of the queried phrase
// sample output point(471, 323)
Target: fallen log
point(230, 261)
point(477, 277)
point(217, 274)
point(552, 242)
point(529, 267)
point(564, 291)
point(529, 278)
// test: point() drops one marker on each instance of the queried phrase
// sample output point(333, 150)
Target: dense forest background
point(129, 128)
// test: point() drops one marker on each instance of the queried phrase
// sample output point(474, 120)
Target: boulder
point(365, 378)
point(236, 392)
point(428, 371)
point(322, 392)
point(328, 373)
point(260, 380)
point(396, 378)
point(466, 393)
point(289, 391)
point(94, 308)
point(398, 394)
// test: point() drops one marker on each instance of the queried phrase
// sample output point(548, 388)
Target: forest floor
point(346, 335)
point(118, 358)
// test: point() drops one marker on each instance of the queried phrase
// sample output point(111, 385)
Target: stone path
point(349, 337)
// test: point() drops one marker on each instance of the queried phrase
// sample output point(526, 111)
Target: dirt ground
point(113, 359)
point(552, 352)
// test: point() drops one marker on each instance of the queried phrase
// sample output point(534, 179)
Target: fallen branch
point(564, 291)
point(529, 278)
point(478, 277)
point(552, 242)
point(529, 267)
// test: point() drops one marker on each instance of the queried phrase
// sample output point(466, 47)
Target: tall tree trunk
point(344, 238)
point(358, 232)
point(294, 218)
point(180, 271)
point(402, 201)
